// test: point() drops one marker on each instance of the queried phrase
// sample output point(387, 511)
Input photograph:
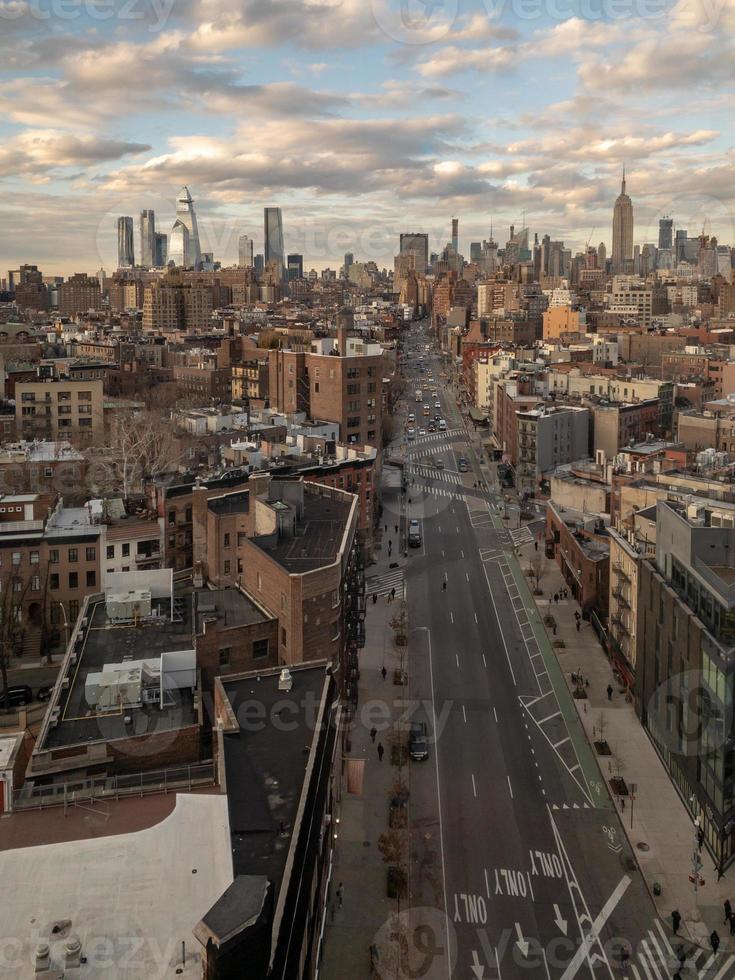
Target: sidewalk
point(659, 826)
point(358, 864)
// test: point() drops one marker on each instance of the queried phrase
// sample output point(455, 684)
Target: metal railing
point(82, 791)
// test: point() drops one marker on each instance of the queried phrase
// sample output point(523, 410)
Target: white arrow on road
point(477, 968)
point(561, 923)
point(521, 943)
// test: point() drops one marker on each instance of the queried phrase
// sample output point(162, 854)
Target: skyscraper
point(295, 266)
point(455, 235)
point(147, 238)
point(665, 232)
point(125, 250)
point(160, 249)
point(622, 246)
point(349, 259)
point(185, 216)
point(416, 243)
point(259, 264)
point(245, 252)
point(273, 237)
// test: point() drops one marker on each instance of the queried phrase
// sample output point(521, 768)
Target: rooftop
point(229, 607)
point(315, 539)
point(142, 893)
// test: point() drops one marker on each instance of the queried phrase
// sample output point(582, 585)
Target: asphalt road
point(514, 840)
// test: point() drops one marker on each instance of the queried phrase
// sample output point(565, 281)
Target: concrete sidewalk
point(364, 913)
point(659, 826)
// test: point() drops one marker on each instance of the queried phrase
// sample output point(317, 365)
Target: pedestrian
point(340, 892)
point(373, 733)
point(386, 528)
point(396, 529)
point(578, 626)
point(444, 585)
point(392, 593)
point(535, 545)
point(556, 598)
point(732, 925)
point(609, 692)
point(383, 671)
point(381, 750)
point(714, 941)
point(728, 910)
point(375, 597)
point(675, 921)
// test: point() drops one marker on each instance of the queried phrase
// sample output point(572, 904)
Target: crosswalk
point(432, 437)
point(432, 473)
point(382, 584)
point(521, 535)
point(656, 958)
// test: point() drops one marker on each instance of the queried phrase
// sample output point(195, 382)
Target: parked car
point(15, 696)
point(418, 744)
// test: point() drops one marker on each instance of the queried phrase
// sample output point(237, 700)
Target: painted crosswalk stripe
point(382, 584)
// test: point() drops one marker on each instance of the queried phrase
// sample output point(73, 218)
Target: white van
point(442, 425)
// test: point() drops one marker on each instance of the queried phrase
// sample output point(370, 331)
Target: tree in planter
point(399, 625)
point(393, 847)
point(538, 570)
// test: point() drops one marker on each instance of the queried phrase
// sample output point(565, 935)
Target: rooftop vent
point(285, 681)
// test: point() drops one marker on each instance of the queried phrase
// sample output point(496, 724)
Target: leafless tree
point(538, 569)
point(141, 447)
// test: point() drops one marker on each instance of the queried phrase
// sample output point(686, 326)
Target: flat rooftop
point(107, 642)
point(131, 898)
point(317, 536)
point(230, 607)
point(265, 764)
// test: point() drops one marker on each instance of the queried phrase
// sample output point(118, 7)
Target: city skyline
point(251, 111)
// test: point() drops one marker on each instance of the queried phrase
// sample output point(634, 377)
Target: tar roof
point(317, 536)
point(265, 763)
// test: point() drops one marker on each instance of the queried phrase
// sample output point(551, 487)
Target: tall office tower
point(245, 252)
point(259, 264)
point(475, 251)
point(185, 216)
point(349, 260)
point(125, 251)
point(637, 259)
point(622, 247)
point(273, 237)
point(160, 249)
point(601, 256)
point(455, 235)
point(417, 244)
point(295, 266)
point(180, 245)
point(665, 232)
point(147, 238)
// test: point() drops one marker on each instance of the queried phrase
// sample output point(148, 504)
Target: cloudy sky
point(360, 118)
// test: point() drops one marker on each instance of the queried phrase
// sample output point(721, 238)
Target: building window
point(73, 554)
point(126, 550)
point(73, 580)
point(34, 558)
point(172, 517)
point(53, 557)
point(91, 554)
point(73, 609)
point(16, 557)
point(53, 580)
point(91, 579)
point(36, 583)
point(227, 567)
point(55, 614)
point(110, 550)
point(227, 541)
point(224, 656)
point(260, 649)
point(17, 585)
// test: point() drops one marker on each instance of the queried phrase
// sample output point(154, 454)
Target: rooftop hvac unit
point(124, 606)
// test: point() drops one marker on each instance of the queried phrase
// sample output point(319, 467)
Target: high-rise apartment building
point(160, 256)
point(184, 248)
point(147, 239)
point(665, 232)
point(174, 303)
point(54, 410)
point(622, 247)
point(245, 252)
point(416, 243)
point(79, 294)
point(125, 248)
point(30, 291)
point(295, 266)
point(273, 237)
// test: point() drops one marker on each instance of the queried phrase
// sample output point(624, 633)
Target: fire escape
point(353, 613)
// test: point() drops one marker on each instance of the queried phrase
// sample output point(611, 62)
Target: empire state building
point(622, 236)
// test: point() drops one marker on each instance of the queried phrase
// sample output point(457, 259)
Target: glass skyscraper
point(273, 237)
point(125, 248)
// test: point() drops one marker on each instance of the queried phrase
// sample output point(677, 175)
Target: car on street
point(437, 404)
point(418, 743)
point(422, 432)
point(15, 696)
point(442, 425)
point(439, 462)
point(432, 426)
point(463, 465)
point(411, 417)
point(414, 534)
point(411, 433)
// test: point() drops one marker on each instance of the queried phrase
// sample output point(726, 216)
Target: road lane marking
point(467, 576)
point(464, 714)
point(483, 660)
point(510, 788)
point(475, 617)
point(451, 616)
point(502, 635)
point(456, 657)
point(487, 884)
point(474, 786)
point(495, 713)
